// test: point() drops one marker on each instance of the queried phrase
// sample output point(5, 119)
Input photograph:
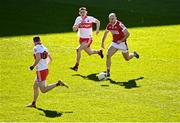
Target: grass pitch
point(147, 89)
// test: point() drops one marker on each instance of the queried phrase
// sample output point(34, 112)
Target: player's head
point(36, 39)
point(83, 11)
point(112, 18)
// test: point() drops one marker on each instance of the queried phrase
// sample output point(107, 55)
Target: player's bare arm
point(126, 34)
point(97, 26)
point(75, 28)
point(50, 59)
point(104, 38)
point(38, 58)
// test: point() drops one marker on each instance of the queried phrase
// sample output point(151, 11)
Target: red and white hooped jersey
point(85, 26)
point(117, 31)
point(43, 64)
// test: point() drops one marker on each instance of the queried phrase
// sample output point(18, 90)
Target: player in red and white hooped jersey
point(83, 24)
point(42, 59)
point(119, 42)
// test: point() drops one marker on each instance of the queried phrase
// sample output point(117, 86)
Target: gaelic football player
point(119, 41)
point(83, 24)
point(42, 58)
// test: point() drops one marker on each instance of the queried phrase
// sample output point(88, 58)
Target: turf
point(147, 89)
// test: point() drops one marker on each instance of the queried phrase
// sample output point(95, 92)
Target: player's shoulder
point(119, 22)
point(121, 25)
point(78, 17)
point(44, 47)
point(39, 48)
point(91, 17)
point(109, 25)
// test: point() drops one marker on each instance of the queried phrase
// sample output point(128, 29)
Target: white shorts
point(121, 46)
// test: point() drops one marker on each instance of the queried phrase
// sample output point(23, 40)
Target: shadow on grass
point(90, 76)
point(52, 113)
point(127, 84)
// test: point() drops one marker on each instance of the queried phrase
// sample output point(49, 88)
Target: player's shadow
point(127, 84)
point(52, 113)
point(90, 76)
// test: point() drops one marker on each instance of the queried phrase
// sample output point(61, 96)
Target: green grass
point(155, 99)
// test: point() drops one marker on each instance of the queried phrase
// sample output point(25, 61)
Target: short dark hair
point(82, 8)
point(36, 38)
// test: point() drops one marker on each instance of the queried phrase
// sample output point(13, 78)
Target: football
point(102, 76)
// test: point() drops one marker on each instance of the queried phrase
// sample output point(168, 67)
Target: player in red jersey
point(83, 24)
point(42, 59)
point(120, 35)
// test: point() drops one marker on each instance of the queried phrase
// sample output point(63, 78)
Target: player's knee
point(35, 85)
point(78, 50)
point(108, 56)
point(89, 53)
point(43, 91)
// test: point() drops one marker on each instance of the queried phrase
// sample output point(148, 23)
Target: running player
point(83, 24)
point(119, 42)
point(42, 59)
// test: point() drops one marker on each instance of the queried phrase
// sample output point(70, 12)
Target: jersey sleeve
point(92, 19)
point(77, 21)
point(122, 26)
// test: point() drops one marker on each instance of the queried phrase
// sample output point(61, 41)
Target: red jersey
point(116, 31)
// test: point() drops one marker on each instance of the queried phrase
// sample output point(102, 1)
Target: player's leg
point(36, 94)
point(78, 55)
point(78, 51)
point(127, 56)
point(90, 51)
point(41, 77)
point(44, 88)
point(111, 52)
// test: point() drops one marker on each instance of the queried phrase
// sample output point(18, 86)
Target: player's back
point(43, 51)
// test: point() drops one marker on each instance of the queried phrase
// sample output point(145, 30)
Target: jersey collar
point(83, 18)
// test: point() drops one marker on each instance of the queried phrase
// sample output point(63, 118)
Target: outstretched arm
point(104, 38)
